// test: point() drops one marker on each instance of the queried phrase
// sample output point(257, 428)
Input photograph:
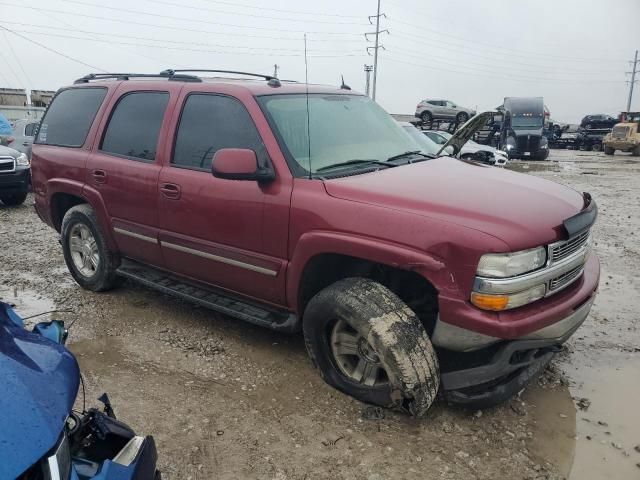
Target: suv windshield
point(342, 128)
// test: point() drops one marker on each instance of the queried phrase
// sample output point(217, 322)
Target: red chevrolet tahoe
point(305, 207)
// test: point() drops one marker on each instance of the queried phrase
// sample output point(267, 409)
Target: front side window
point(69, 117)
point(209, 123)
point(134, 126)
point(342, 128)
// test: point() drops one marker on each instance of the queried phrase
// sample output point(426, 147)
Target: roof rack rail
point(127, 76)
point(272, 81)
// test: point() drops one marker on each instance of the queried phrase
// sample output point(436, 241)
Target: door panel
point(211, 229)
point(124, 167)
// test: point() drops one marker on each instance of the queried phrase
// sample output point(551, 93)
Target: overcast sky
point(572, 52)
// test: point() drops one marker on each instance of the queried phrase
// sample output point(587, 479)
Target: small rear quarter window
point(69, 117)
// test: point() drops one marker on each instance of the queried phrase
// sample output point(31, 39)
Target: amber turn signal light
point(490, 302)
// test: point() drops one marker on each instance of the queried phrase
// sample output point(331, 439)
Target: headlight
point(503, 265)
point(60, 462)
point(23, 160)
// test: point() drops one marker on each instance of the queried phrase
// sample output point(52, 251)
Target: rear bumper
point(15, 182)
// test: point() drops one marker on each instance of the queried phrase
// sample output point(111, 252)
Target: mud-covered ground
point(227, 400)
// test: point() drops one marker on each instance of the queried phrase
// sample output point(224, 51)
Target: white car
point(497, 157)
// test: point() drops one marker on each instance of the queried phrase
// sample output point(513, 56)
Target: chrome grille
point(565, 279)
point(7, 165)
point(561, 250)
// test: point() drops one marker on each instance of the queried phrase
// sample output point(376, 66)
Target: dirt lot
point(228, 400)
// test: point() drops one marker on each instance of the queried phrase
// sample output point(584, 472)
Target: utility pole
point(275, 70)
point(367, 71)
point(377, 46)
point(633, 80)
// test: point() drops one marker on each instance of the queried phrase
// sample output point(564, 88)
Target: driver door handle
point(170, 190)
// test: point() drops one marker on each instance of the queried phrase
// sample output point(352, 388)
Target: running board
point(209, 297)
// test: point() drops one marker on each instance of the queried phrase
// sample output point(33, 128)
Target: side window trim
point(171, 163)
point(105, 128)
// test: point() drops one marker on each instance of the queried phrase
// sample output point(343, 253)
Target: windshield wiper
point(409, 154)
point(357, 162)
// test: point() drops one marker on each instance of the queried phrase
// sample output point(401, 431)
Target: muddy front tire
point(89, 260)
point(609, 150)
point(370, 345)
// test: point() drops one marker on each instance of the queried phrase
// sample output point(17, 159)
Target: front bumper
point(15, 182)
point(514, 363)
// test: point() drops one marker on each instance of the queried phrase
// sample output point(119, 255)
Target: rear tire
point(14, 200)
point(597, 147)
point(426, 117)
point(609, 150)
point(636, 151)
point(89, 260)
point(462, 117)
point(382, 332)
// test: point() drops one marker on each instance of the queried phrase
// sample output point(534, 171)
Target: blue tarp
point(5, 126)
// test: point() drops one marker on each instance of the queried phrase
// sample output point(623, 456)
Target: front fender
point(314, 243)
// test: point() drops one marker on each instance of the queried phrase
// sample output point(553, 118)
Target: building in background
point(14, 103)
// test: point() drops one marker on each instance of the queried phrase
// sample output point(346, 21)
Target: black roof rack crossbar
point(273, 81)
point(170, 72)
point(127, 76)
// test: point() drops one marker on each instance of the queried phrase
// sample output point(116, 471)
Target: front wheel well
point(61, 203)
point(412, 288)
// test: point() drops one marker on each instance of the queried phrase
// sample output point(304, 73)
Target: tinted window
point(209, 123)
point(30, 129)
point(70, 115)
point(135, 125)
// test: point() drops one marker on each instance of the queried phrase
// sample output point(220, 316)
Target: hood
point(8, 152)
point(39, 386)
point(464, 133)
point(522, 210)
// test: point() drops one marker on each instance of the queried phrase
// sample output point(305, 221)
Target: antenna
point(306, 83)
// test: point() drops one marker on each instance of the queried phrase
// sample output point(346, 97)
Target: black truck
point(522, 130)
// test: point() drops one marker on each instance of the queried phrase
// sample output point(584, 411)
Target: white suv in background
point(429, 110)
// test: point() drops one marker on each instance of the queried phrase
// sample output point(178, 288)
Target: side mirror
point(53, 330)
point(239, 164)
point(450, 151)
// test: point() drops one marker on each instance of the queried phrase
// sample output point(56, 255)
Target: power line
point(17, 60)
point(176, 42)
point(8, 64)
point(492, 69)
point(195, 20)
point(178, 29)
point(503, 61)
point(296, 12)
point(165, 47)
point(482, 74)
point(474, 41)
point(52, 50)
point(219, 11)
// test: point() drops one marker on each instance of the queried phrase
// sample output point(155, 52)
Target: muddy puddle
point(608, 430)
point(28, 303)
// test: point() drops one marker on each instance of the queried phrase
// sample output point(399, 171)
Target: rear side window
point(30, 129)
point(209, 123)
point(134, 126)
point(69, 117)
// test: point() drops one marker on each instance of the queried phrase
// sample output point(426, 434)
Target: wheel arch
point(324, 258)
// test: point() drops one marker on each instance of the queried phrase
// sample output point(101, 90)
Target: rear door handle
point(99, 176)
point(170, 190)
